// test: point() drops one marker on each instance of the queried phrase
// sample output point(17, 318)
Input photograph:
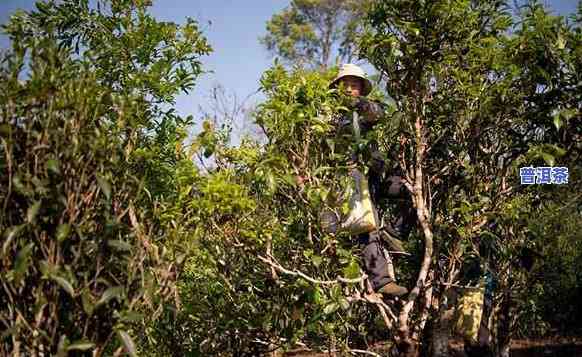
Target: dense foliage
point(89, 155)
point(114, 241)
point(477, 91)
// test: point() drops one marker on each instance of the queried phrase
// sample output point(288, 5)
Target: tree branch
point(274, 264)
point(424, 221)
point(387, 314)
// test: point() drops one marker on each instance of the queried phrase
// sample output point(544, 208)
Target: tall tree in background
point(308, 32)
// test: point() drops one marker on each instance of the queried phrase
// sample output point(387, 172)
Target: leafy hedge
point(89, 159)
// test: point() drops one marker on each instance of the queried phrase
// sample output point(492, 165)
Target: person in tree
point(384, 183)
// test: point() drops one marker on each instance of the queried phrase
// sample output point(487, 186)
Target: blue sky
point(238, 59)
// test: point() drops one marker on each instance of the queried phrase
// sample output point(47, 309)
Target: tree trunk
point(407, 345)
point(442, 327)
point(15, 347)
point(504, 327)
point(425, 307)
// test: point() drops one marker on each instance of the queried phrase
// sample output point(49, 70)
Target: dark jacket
point(384, 182)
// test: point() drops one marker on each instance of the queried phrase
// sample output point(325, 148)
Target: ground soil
point(559, 347)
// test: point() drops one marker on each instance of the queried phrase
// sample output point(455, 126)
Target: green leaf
point(81, 346)
point(20, 186)
point(352, 271)
point(344, 304)
point(560, 42)
point(62, 346)
point(316, 259)
point(53, 166)
point(556, 150)
point(316, 296)
point(10, 234)
point(5, 129)
point(331, 308)
point(32, 212)
point(289, 180)
point(113, 292)
point(131, 316)
point(65, 284)
point(127, 342)
point(271, 183)
point(63, 231)
point(568, 114)
point(557, 122)
point(549, 159)
point(104, 185)
point(119, 245)
point(22, 262)
point(87, 301)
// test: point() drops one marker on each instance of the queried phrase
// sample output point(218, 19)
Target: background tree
point(465, 94)
point(310, 32)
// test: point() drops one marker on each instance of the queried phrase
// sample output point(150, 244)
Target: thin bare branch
point(271, 262)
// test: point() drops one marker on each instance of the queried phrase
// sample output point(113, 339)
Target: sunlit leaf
point(331, 308)
point(32, 211)
point(63, 231)
point(65, 284)
point(81, 346)
point(113, 292)
point(119, 245)
point(104, 185)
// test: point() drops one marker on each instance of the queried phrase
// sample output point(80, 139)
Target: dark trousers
point(375, 262)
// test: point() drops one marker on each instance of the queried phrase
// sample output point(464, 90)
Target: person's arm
point(343, 124)
point(393, 188)
point(370, 111)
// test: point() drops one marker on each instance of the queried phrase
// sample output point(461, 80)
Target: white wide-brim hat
point(349, 69)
